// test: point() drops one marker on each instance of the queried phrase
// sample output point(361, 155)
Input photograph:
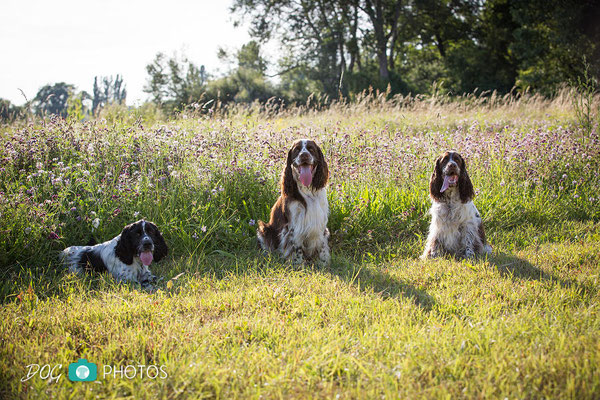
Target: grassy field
point(227, 322)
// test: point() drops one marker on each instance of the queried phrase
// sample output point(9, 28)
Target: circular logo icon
point(82, 372)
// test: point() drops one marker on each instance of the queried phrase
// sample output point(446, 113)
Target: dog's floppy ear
point(288, 185)
point(125, 248)
point(322, 173)
point(436, 181)
point(160, 246)
point(465, 187)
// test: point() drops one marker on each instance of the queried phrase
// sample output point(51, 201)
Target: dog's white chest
point(451, 214)
point(451, 220)
point(311, 221)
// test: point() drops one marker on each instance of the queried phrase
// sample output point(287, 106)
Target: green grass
point(227, 322)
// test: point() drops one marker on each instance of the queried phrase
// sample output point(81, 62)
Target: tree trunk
point(384, 73)
point(394, 32)
point(353, 42)
point(440, 45)
point(378, 20)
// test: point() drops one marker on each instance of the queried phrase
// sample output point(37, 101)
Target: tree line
point(348, 45)
point(339, 48)
point(63, 99)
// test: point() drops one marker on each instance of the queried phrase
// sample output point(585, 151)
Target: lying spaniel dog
point(126, 256)
point(456, 228)
point(298, 225)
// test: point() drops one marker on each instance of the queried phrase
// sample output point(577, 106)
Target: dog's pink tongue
point(305, 175)
point(448, 180)
point(146, 257)
point(446, 184)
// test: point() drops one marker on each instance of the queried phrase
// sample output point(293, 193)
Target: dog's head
point(305, 166)
point(141, 239)
point(449, 174)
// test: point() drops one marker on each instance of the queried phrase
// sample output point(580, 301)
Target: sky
point(48, 41)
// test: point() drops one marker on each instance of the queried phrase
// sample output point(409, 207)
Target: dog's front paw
point(324, 256)
point(149, 288)
point(431, 253)
point(146, 276)
point(297, 256)
point(469, 254)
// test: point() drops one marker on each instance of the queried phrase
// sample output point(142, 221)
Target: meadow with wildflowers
point(227, 322)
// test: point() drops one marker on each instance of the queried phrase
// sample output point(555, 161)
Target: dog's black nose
point(452, 168)
point(304, 158)
point(147, 243)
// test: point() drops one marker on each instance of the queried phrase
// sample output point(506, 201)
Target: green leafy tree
point(175, 81)
point(443, 22)
point(249, 57)
point(317, 37)
point(348, 45)
point(53, 99)
point(551, 40)
point(247, 80)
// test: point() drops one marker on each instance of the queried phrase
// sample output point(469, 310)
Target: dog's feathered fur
point(297, 228)
point(120, 256)
point(456, 226)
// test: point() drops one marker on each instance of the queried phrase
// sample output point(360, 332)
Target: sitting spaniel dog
point(298, 225)
point(126, 256)
point(456, 226)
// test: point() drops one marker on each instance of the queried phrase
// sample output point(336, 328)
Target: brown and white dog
point(456, 227)
point(297, 228)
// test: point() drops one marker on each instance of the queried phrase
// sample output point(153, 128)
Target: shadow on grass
point(515, 267)
point(54, 280)
point(360, 275)
point(368, 279)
